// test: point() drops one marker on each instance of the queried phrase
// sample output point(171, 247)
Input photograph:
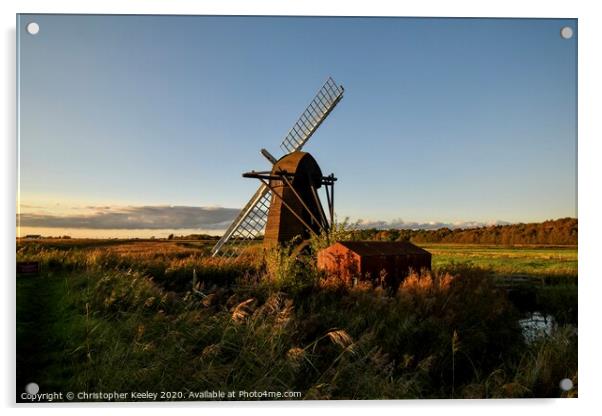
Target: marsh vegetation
point(123, 315)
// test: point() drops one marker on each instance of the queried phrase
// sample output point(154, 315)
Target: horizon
point(164, 234)
point(444, 121)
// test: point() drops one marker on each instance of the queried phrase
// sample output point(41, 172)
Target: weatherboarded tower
point(295, 209)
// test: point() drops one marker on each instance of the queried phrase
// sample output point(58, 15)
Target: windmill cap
point(302, 165)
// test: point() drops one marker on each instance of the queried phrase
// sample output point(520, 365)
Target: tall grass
point(274, 324)
point(338, 231)
point(173, 269)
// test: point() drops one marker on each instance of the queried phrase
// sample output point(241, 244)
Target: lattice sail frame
point(247, 226)
point(251, 220)
point(316, 112)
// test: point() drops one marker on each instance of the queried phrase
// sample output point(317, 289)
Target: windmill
point(287, 203)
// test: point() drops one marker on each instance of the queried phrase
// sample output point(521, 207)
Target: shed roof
point(383, 248)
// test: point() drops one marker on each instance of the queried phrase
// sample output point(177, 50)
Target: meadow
point(115, 315)
point(527, 261)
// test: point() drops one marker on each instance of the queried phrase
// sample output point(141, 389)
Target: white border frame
point(589, 156)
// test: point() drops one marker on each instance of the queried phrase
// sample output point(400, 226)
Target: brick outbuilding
point(368, 260)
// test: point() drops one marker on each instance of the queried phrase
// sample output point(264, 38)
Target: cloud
point(137, 218)
point(29, 206)
point(432, 225)
point(185, 217)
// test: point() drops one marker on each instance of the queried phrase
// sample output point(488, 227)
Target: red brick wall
point(346, 264)
point(339, 260)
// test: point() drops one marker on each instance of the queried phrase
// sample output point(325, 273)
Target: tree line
point(552, 232)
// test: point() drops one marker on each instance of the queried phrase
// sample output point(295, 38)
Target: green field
point(508, 261)
point(111, 315)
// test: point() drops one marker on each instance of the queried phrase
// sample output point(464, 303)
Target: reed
point(123, 320)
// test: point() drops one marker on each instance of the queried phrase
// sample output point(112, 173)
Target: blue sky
point(443, 120)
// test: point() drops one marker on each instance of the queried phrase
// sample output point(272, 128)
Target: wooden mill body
point(303, 173)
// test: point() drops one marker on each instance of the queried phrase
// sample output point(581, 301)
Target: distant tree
point(563, 231)
point(170, 237)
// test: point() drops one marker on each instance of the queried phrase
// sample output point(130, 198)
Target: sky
point(142, 125)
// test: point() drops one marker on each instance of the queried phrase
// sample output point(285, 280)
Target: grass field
point(508, 261)
point(110, 315)
point(536, 261)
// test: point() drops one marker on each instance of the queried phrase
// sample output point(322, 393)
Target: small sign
point(28, 267)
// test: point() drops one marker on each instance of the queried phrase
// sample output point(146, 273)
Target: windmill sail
point(252, 219)
point(249, 223)
point(316, 112)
